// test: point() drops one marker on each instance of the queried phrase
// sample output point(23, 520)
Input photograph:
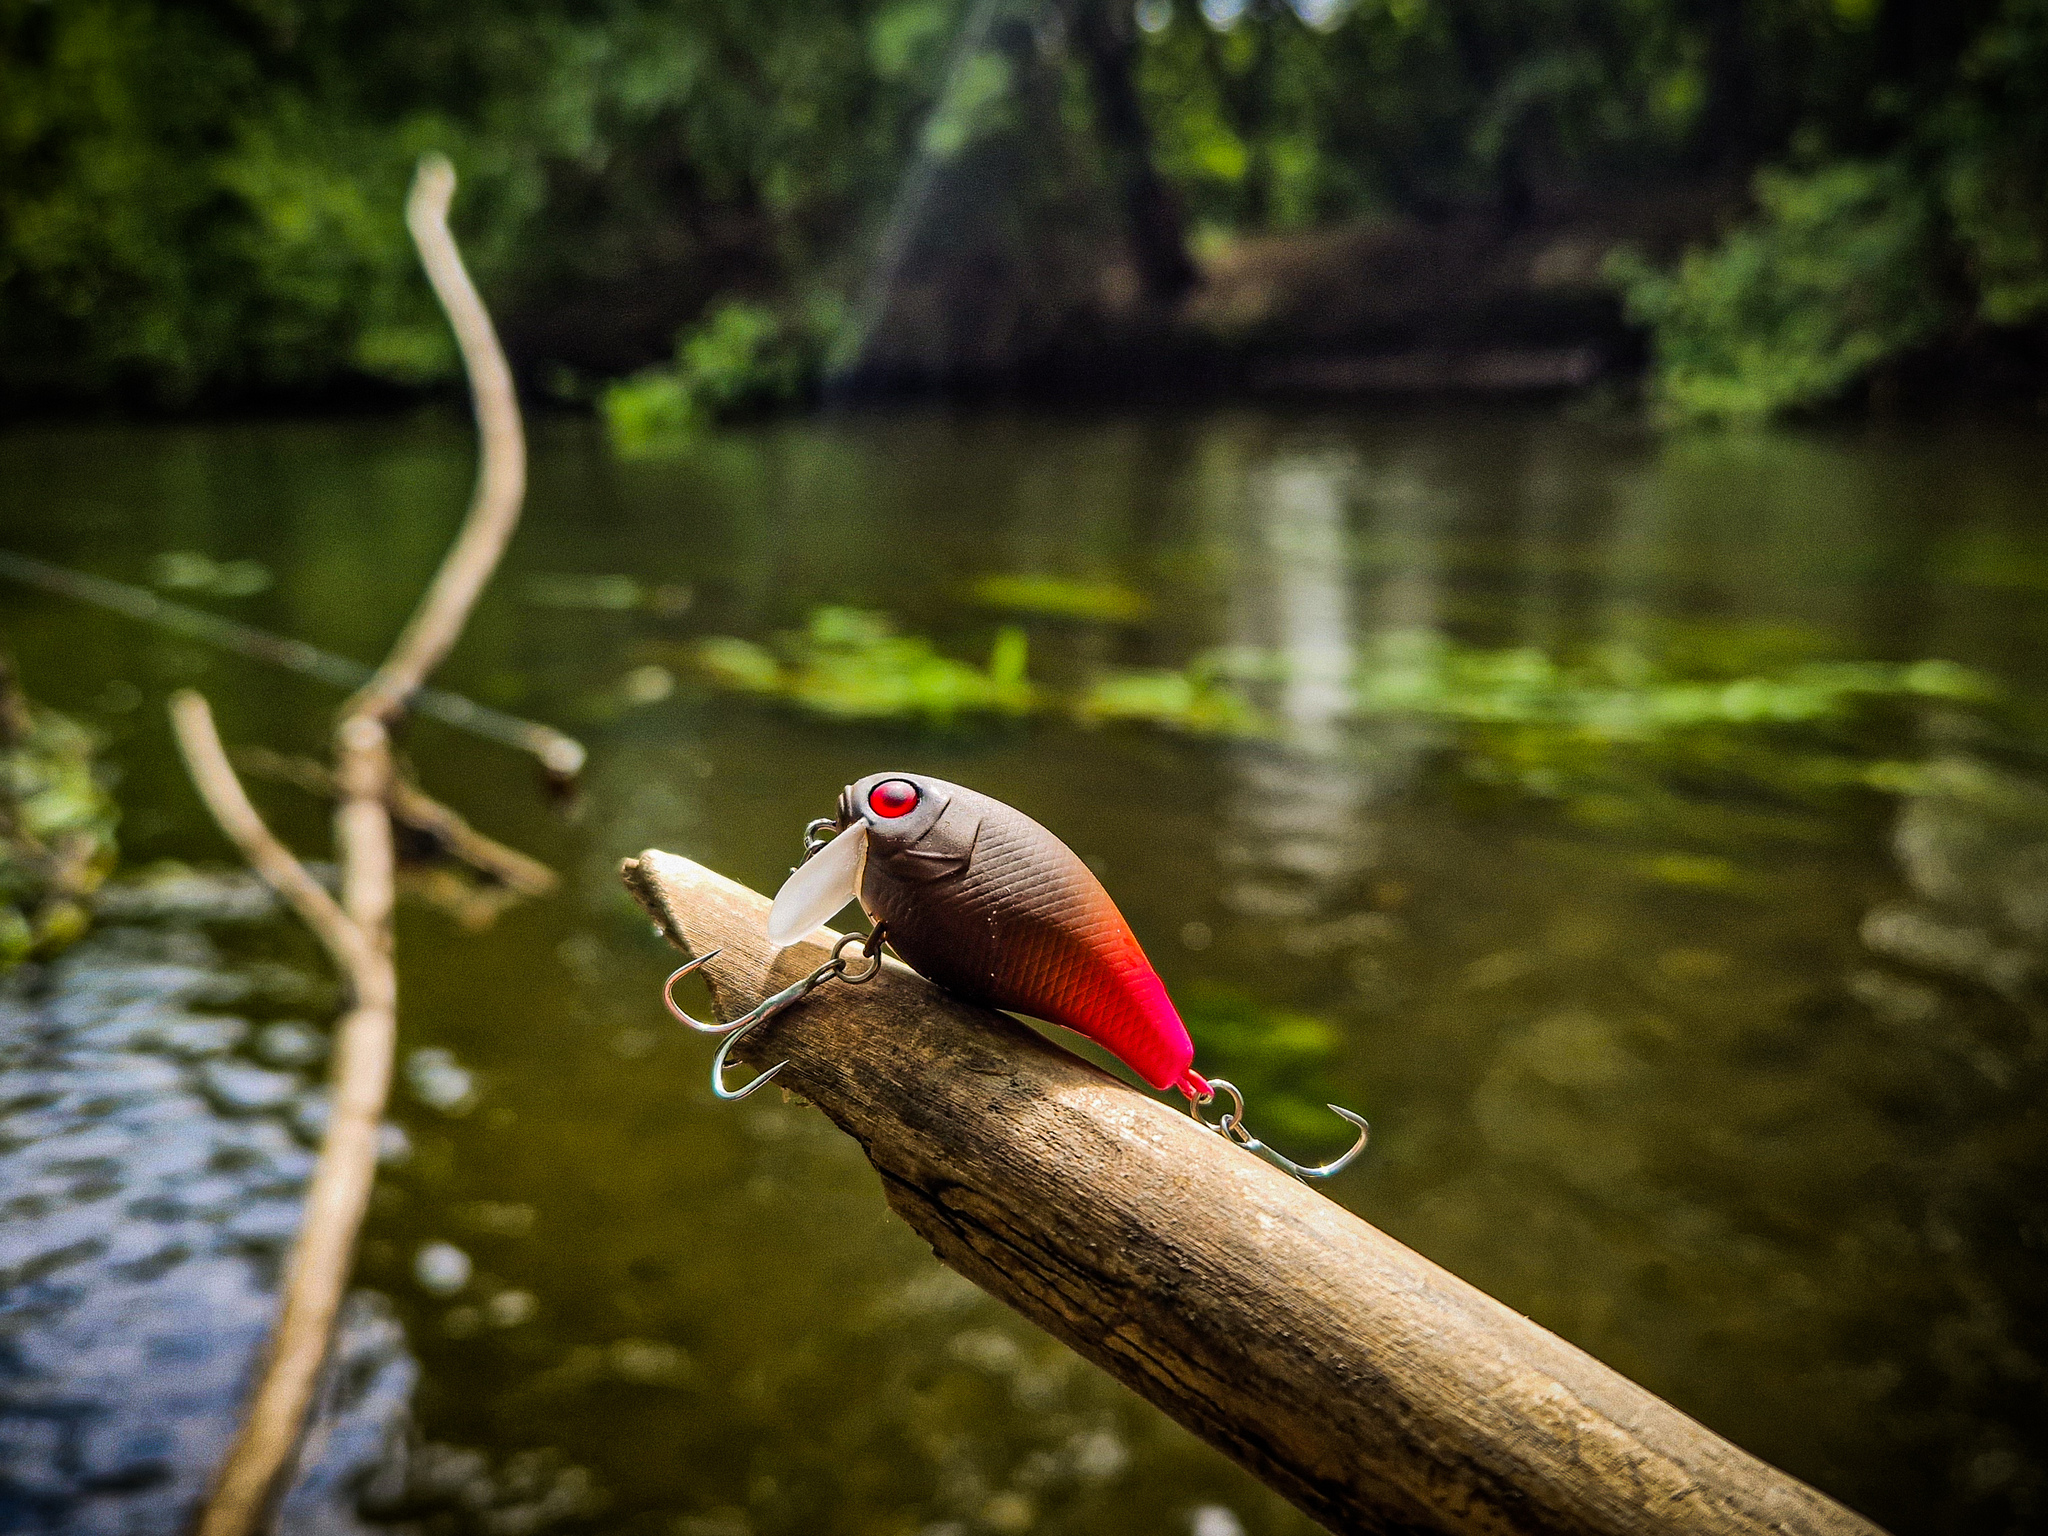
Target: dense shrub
point(1836, 273)
point(200, 200)
point(1850, 263)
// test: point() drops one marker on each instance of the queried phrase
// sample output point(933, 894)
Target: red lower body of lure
point(990, 905)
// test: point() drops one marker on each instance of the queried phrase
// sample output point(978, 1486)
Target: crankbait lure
point(977, 897)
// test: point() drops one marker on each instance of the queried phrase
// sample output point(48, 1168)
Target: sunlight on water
point(1650, 837)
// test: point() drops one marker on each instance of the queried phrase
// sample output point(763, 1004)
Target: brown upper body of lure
point(987, 903)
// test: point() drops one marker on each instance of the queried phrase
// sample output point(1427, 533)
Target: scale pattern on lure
point(982, 900)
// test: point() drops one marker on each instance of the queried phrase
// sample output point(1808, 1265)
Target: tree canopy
point(198, 198)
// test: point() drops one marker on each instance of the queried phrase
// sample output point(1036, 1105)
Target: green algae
point(852, 664)
point(56, 826)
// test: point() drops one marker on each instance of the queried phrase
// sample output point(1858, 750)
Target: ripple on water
point(151, 1188)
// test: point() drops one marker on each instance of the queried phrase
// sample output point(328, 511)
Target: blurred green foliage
point(1061, 597)
point(201, 201)
point(1721, 737)
point(1620, 694)
point(851, 664)
point(56, 826)
point(743, 359)
point(1198, 698)
point(1281, 1061)
point(204, 199)
point(1853, 260)
point(1837, 273)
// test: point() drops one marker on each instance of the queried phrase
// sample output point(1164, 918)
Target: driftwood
point(252, 1477)
point(356, 931)
point(1374, 1390)
point(561, 757)
point(442, 826)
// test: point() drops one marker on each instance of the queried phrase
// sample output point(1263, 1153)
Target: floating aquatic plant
point(183, 570)
point(1623, 738)
point(1194, 699)
point(1058, 597)
point(1619, 694)
point(850, 663)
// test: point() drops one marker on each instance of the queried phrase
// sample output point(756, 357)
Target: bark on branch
point(358, 930)
point(501, 472)
point(418, 812)
point(1374, 1390)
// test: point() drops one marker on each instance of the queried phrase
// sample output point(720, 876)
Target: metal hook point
point(718, 1065)
point(761, 1012)
point(1336, 1165)
point(1231, 1125)
point(668, 995)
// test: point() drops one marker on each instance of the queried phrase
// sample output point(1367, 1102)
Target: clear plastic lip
point(818, 889)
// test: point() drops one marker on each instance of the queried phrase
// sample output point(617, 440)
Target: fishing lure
point(977, 897)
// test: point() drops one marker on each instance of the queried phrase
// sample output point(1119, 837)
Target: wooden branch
point(561, 756)
point(206, 760)
point(1374, 1390)
point(501, 472)
point(417, 811)
point(340, 1188)
point(258, 1464)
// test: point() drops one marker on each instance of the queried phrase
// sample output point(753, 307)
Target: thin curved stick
point(417, 811)
point(339, 1191)
point(256, 1470)
point(501, 475)
point(214, 776)
point(561, 755)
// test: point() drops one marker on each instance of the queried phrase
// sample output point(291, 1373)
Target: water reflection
point(1299, 825)
point(1952, 987)
point(1681, 935)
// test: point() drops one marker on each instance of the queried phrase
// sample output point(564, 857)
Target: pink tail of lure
point(991, 906)
point(984, 901)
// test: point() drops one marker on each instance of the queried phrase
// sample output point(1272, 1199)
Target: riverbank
point(1473, 305)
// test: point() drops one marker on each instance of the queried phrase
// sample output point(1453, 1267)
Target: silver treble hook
point(1232, 1126)
point(761, 1012)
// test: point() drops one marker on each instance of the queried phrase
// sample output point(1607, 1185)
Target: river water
point(1649, 836)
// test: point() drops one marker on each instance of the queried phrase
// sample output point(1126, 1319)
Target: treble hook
point(762, 1012)
point(1232, 1126)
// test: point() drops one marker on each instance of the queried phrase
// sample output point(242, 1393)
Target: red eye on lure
point(979, 898)
point(892, 798)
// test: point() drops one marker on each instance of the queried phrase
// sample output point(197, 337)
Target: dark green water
point(1721, 1050)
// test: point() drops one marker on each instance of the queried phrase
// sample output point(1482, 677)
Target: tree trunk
point(1102, 30)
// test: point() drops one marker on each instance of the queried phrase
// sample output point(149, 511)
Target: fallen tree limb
point(415, 810)
point(1374, 1390)
point(357, 930)
point(316, 1275)
point(206, 760)
point(560, 756)
point(437, 623)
